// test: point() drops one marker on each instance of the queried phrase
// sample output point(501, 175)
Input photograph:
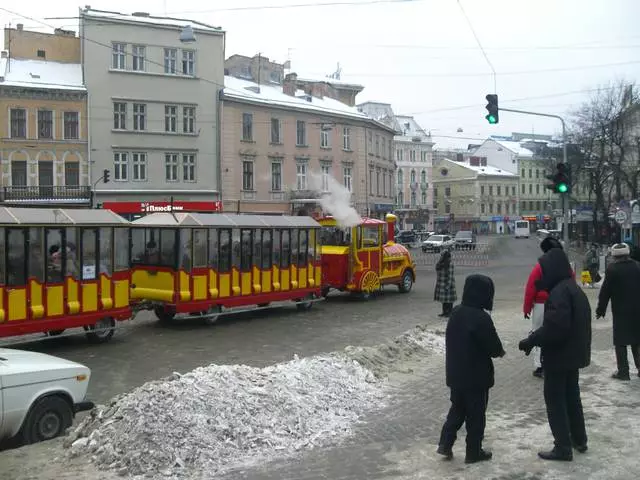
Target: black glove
point(599, 314)
point(526, 346)
point(527, 316)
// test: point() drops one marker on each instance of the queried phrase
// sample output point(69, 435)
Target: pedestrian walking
point(471, 343)
point(621, 285)
point(445, 290)
point(565, 339)
point(592, 264)
point(534, 300)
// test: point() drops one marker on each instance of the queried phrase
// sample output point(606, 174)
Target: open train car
point(61, 269)
point(198, 265)
point(363, 258)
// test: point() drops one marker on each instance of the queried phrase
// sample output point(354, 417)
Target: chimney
point(19, 27)
point(290, 84)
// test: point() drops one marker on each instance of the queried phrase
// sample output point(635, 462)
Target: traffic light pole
point(564, 197)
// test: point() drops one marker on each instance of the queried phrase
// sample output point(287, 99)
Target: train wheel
point(305, 303)
point(165, 316)
point(102, 331)
point(212, 315)
point(406, 284)
point(325, 292)
point(55, 333)
point(369, 283)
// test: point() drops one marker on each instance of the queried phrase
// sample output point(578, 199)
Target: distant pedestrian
point(565, 338)
point(592, 264)
point(471, 343)
point(445, 290)
point(534, 299)
point(621, 285)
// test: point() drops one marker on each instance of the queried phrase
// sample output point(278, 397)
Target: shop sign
point(154, 207)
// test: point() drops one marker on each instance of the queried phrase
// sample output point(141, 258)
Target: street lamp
point(187, 35)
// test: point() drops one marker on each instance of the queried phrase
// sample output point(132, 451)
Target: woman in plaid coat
point(445, 291)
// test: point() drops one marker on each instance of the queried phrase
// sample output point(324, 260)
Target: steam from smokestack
point(336, 202)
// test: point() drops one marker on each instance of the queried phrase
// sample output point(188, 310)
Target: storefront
point(134, 210)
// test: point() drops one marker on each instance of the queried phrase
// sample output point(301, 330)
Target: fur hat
point(620, 250)
point(548, 243)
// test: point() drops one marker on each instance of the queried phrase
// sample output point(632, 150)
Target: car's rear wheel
point(48, 418)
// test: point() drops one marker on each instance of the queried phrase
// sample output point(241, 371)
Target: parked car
point(408, 238)
point(39, 395)
point(435, 243)
point(465, 240)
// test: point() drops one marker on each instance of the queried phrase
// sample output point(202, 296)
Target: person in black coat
point(621, 283)
point(565, 341)
point(471, 343)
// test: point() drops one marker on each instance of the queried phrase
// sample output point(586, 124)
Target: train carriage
point(197, 264)
point(63, 268)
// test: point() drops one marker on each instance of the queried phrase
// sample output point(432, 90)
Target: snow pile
point(219, 417)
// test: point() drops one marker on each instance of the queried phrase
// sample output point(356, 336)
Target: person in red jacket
point(534, 299)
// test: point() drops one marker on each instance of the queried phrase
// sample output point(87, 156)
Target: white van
point(522, 229)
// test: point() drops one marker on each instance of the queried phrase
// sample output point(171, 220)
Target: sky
point(421, 56)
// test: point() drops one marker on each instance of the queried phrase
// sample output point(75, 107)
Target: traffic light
point(560, 182)
point(105, 175)
point(492, 107)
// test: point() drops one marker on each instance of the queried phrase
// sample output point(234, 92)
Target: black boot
point(582, 448)
point(538, 372)
point(621, 376)
point(557, 454)
point(474, 456)
point(446, 452)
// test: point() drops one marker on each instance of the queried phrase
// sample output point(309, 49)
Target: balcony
point(80, 195)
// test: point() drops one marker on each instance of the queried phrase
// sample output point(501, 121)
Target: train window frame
point(89, 272)
point(71, 242)
point(186, 247)
point(285, 248)
point(312, 245)
point(267, 249)
point(303, 247)
point(168, 253)
point(32, 252)
point(55, 261)
point(295, 247)
point(256, 257)
point(105, 250)
point(227, 257)
point(276, 247)
point(18, 280)
point(366, 236)
point(3, 257)
point(213, 242)
point(200, 241)
point(121, 241)
point(246, 250)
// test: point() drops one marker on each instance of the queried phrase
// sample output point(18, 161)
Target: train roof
point(52, 216)
point(365, 220)
point(230, 220)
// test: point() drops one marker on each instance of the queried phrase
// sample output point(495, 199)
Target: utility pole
point(563, 196)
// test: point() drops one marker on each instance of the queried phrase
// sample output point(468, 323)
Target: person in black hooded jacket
point(565, 341)
point(471, 343)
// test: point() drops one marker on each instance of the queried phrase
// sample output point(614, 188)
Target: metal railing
point(45, 193)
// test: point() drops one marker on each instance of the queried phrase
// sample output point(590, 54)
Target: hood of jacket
point(555, 268)
point(478, 292)
point(548, 243)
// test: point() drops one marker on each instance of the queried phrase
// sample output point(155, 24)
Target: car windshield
point(436, 238)
point(522, 224)
point(463, 235)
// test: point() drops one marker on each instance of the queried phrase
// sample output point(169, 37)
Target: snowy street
point(401, 412)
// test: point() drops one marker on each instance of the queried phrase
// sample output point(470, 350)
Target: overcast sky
point(421, 55)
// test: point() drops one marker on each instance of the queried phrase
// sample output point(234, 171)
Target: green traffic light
point(491, 119)
point(562, 188)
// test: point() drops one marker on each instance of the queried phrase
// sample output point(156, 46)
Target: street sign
point(620, 217)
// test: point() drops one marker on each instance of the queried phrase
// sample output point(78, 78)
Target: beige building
point(43, 148)
point(283, 147)
point(473, 195)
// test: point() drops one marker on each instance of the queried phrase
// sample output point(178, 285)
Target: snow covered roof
point(410, 128)
point(41, 74)
point(145, 18)
point(515, 148)
point(330, 81)
point(454, 143)
point(236, 88)
point(483, 171)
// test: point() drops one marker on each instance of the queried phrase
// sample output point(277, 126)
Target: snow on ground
point(221, 417)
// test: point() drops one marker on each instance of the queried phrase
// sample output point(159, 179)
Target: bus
point(522, 229)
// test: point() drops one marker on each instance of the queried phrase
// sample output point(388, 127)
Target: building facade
point(43, 147)
point(258, 69)
point(154, 111)
point(285, 147)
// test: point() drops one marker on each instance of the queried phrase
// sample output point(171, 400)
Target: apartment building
point(283, 147)
point(43, 147)
point(257, 69)
point(154, 111)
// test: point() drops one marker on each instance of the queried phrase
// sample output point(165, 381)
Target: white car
point(436, 243)
point(39, 395)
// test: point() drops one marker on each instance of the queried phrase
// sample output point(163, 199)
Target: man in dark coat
point(565, 340)
point(621, 285)
point(445, 290)
point(471, 343)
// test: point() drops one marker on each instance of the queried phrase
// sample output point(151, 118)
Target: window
point(530, 189)
point(423, 177)
point(170, 118)
point(399, 155)
point(170, 55)
point(106, 250)
point(120, 161)
point(72, 174)
point(213, 248)
point(267, 249)
point(118, 56)
point(138, 55)
point(401, 200)
point(171, 167)
point(247, 175)
point(412, 155)
point(400, 177)
point(537, 173)
point(424, 198)
point(200, 248)
point(370, 140)
point(45, 124)
point(256, 260)
point(447, 191)
point(139, 116)
point(524, 189)
point(276, 176)
point(346, 174)
point(530, 173)
point(19, 173)
point(538, 189)
point(119, 116)
point(324, 138)
point(326, 173)
point(513, 191)
point(286, 249)
point(224, 261)
point(189, 119)
point(245, 251)
point(447, 207)
point(16, 257)
point(499, 190)
point(139, 166)
point(378, 182)
point(41, 54)
point(499, 207)
point(301, 176)
point(523, 173)
point(89, 253)
point(301, 133)
point(18, 123)
point(346, 138)
point(188, 62)
point(491, 190)
point(71, 124)
point(188, 167)
point(275, 131)
point(423, 156)
point(482, 208)
point(247, 127)
point(121, 244)
point(481, 189)
point(413, 176)
point(384, 147)
point(378, 145)
point(384, 183)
